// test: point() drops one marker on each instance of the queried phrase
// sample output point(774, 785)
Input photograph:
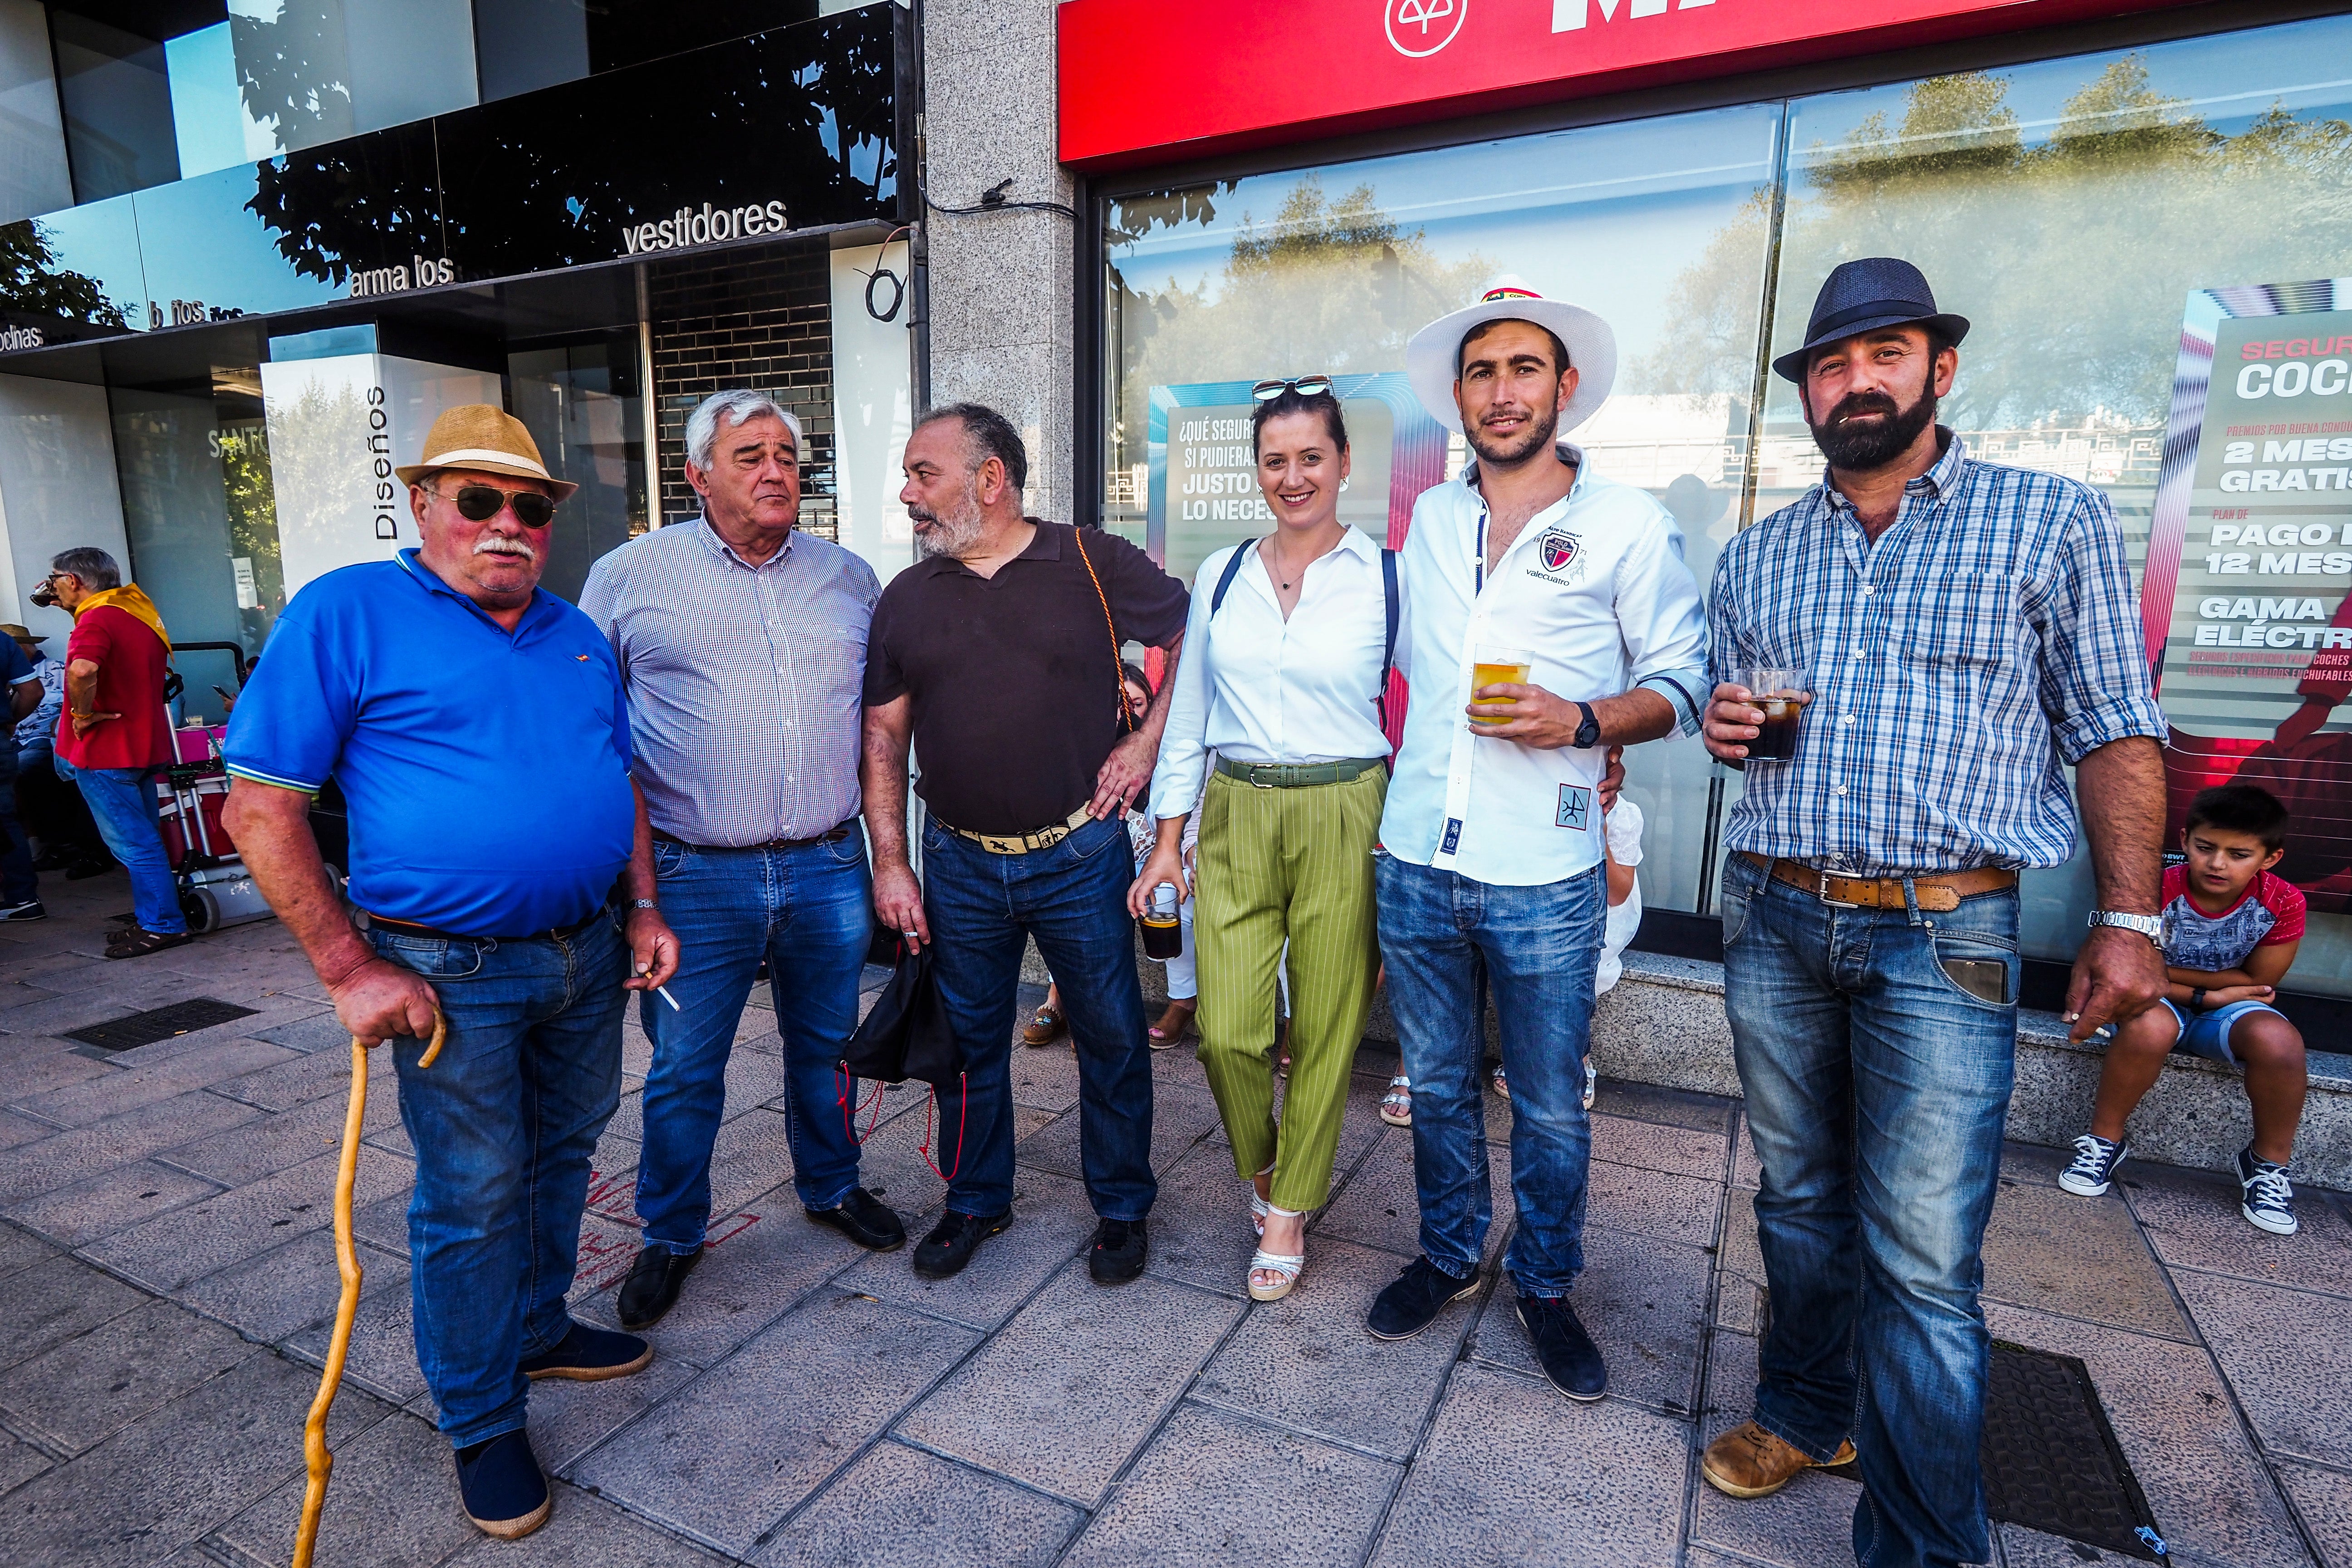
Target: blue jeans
point(17, 883)
point(1073, 899)
point(503, 1122)
point(1876, 1091)
point(1537, 949)
point(808, 913)
point(122, 804)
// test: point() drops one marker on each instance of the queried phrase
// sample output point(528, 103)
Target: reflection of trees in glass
point(335, 211)
point(2071, 255)
point(32, 282)
point(253, 520)
point(1326, 286)
point(317, 463)
point(293, 69)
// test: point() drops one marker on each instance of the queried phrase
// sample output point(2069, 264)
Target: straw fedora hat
point(478, 437)
point(1430, 357)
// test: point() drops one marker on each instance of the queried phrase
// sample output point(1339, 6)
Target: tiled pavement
point(166, 1271)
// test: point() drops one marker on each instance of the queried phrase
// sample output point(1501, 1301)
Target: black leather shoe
point(866, 1220)
point(1413, 1300)
point(1570, 1357)
point(1119, 1251)
point(591, 1355)
point(502, 1485)
point(954, 1239)
point(651, 1290)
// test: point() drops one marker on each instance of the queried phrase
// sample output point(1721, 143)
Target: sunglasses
point(479, 503)
point(1305, 385)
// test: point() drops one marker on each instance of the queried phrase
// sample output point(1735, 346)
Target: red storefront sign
point(1145, 81)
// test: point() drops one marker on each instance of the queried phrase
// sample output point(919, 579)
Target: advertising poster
point(1204, 473)
point(2244, 605)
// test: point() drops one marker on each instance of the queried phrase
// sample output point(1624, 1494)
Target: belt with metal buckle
point(1938, 892)
point(1297, 775)
point(1024, 843)
point(434, 933)
point(834, 835)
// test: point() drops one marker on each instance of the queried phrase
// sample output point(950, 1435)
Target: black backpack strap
point(1225, 580)
point(1395, 606)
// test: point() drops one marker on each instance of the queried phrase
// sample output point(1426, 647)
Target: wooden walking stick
point(347, 1264)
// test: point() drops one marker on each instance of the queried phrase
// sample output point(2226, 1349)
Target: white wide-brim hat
point(1429, 357)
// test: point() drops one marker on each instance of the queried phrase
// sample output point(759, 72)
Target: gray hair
point(724, 411)
point(97, 569)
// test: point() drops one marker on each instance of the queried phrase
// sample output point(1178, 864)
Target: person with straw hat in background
point(478, 730)
point(1551, 620)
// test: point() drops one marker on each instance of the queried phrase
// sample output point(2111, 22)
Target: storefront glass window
point(1331, 270)
point(2091, 216)
point(583, 407)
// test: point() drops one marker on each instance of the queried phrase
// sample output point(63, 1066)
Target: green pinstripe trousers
point(1277, 864)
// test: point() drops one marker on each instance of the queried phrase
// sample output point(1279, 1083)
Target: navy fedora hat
point(1863, 296)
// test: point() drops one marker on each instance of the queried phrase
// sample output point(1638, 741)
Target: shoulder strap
point(1224, 581)
point(1395, 608)
point(1118, 666)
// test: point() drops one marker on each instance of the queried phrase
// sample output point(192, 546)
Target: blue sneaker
point(2093, 1170)
point(504, 1495)
point(2270, 1196)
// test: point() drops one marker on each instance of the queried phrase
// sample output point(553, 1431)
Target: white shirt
point(1254, 688)
point(1594, 587)
point(1625, 919)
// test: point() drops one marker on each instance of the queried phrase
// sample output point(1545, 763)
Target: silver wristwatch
point(2148, 926)
point(644, 904)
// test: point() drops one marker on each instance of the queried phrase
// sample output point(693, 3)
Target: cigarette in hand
point(644, 970)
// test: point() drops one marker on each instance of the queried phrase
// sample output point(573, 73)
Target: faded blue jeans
point(1539, 948)
point(503, 1123)
point(1073, 899)
point(122, 803)
point(808, 913)
point(1876, 1091)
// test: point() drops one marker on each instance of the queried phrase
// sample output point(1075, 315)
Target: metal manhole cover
point(159, 1024)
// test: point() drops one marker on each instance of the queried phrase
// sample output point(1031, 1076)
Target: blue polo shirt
point(486, 772)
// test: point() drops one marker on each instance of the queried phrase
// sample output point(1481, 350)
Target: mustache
point(499, 544)
point(921, 515)
point(1857, 402)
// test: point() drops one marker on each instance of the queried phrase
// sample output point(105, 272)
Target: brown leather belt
point(834, 835)
point(1023, 843)
point(1938, 892)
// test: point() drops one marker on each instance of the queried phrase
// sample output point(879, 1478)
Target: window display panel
point(1329, 270)
point(2111, 224)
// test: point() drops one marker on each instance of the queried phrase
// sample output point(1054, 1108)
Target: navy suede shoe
point(1414, 1300)
point(591, 1355)
point(499, 1481)
point(1570, 1357)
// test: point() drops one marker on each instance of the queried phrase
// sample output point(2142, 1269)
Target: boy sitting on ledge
point(2230, 929)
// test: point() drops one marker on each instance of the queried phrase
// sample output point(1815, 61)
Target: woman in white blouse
point(1285, 659)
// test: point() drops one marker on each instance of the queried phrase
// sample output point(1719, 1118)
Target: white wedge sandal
point(1287, 1269)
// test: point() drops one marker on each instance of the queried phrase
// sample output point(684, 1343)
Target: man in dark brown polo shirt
point(997, 656)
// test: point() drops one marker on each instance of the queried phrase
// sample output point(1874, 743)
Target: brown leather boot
point(1749, 1462)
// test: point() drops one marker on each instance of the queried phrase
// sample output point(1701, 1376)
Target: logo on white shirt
point(1575, 802)
point(1558, 548)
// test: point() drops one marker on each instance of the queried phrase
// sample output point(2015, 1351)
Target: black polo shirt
point(1015, 678)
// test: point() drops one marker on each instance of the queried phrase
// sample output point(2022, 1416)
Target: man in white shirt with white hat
point(1493, 833)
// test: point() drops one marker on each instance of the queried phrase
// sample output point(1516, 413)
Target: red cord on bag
point(841, 1093)
point(964, 1092)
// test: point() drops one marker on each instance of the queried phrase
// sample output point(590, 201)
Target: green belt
point(1289, 776)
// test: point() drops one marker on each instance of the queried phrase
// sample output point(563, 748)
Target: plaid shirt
point(1990, 633)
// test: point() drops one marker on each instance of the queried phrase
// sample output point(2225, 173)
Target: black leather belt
point(834, 835)
point(434, 933)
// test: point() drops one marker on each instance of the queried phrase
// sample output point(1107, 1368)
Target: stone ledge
point(1664, 1025)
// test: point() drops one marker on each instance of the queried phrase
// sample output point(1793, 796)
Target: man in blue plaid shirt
point(1967, 630)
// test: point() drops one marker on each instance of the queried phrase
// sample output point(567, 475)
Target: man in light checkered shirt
point(1964, 632)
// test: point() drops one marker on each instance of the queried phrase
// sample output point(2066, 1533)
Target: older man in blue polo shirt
point(477, 726)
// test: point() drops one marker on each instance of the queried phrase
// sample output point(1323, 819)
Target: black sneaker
point(1414, 1300)
point(954, 1239)
point(500, 1482)
point(591, 1355)
point(1119, 1251)
point(866, 1220)
point(651, 1290)
point(1570, 1357)
point(30, 909)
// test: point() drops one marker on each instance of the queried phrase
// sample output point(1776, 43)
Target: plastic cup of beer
point(1494, 665)
point(1783, 693)
point(1163, 937)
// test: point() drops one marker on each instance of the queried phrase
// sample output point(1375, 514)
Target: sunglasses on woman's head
point(1305, 385)
point(479, 503)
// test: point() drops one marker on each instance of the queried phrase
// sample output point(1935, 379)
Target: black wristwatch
point(1589, 733)
point(2197, 998)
